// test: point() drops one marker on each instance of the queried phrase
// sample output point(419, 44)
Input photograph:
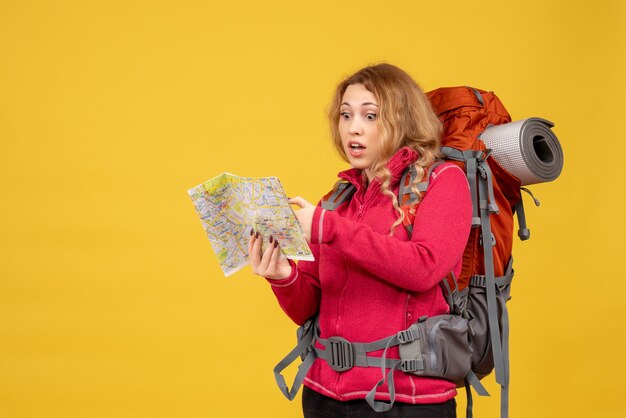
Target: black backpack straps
point(342, 192)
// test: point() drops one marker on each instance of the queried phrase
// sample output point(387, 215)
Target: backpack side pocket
point(441, 348)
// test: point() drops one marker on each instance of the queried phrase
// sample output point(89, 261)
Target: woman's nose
point(356, 127)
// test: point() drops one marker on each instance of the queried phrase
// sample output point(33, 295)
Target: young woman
point(370, 280)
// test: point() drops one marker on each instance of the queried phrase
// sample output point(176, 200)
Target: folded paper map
point(230, 206)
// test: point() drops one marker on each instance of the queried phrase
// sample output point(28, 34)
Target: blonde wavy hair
point(405, 118)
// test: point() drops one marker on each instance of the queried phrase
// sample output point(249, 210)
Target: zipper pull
point(360, 211)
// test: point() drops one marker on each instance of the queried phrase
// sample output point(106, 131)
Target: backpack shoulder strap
point(406, 195)
point(342, 192)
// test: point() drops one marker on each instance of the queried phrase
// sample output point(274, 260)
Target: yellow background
point(112, 303)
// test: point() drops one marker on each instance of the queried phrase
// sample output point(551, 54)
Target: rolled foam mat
point(527, 148)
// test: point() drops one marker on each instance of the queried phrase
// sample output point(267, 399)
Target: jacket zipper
point(367, 196)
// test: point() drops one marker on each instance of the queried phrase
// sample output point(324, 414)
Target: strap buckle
point(413, 365)
point(406, 336)
point(484, 154)
point(340, 355)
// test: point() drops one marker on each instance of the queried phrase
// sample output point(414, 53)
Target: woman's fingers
point(267, 255)
point(299, 201)
point(272, 267)
point(279, 267)
point(250, 246)
point(254, 251)
point(271, 264)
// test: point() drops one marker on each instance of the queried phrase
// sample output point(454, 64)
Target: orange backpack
point(482, 289)
point(466, 113)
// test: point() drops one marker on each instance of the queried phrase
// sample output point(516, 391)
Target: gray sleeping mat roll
point(528, 149)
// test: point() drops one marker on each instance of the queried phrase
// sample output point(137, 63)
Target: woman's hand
point(271, 264)
point(304, 215)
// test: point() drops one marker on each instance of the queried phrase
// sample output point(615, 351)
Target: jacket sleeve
point(440, 232)
point(299, 294)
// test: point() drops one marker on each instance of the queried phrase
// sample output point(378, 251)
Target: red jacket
point(367, 285)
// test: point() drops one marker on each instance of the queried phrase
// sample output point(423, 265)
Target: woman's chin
point(359, 165)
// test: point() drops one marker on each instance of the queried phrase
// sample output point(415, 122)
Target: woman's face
point(358, 127)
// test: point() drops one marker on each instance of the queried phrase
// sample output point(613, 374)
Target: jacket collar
point(404, 157)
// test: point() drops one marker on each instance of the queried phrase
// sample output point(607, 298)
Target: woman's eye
point(370, 116)
point(344, 115)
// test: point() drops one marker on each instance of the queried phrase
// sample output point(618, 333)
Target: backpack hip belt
point(422, 353)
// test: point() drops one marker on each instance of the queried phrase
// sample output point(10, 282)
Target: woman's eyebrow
point(362, 104)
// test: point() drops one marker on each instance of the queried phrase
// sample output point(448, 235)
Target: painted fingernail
point(275, 243)
point(271, 239)
point(252, 232)
point(257, 235)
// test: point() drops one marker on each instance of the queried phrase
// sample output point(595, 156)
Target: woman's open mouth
point(355, 149)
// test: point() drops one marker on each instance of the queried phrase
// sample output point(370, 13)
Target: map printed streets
point(230, 206)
